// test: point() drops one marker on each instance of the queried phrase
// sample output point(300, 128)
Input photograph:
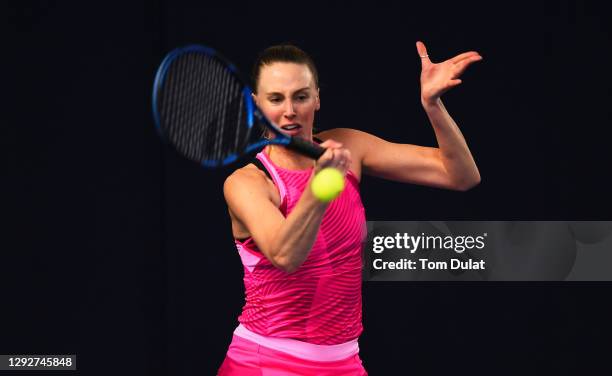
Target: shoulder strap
point(260, 166)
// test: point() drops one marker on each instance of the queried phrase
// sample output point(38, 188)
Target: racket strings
point(228, 93)
point(201, 109)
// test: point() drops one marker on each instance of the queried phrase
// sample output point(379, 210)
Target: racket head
point(203, 107)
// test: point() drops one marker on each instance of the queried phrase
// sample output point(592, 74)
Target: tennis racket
point(202, 106)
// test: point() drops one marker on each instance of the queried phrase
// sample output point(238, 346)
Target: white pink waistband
point(300, 349)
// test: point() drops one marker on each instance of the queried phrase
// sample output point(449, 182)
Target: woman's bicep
point(249, 202)
point(404, 163)
point(407, 163)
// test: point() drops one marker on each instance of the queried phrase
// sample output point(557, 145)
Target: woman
point(302, 257)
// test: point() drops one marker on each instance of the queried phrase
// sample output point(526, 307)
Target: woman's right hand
point(335, 156)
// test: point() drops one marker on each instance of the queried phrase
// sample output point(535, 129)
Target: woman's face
point(288, 96)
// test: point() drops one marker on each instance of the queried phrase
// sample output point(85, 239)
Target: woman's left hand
point(436, 79)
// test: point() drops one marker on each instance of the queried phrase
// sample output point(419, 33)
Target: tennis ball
point(327, 184)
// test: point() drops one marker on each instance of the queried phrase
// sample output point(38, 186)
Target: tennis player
point(302, 257)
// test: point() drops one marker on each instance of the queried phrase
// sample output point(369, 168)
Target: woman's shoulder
point(248, 174)
point(248, 180)
point(338, 134)
point(347, 136)
point(353, 139)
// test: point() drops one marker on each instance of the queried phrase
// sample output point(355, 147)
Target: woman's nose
point(289, 109)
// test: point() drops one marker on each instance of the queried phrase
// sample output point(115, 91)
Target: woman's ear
point(254, 97)
point(318, 100)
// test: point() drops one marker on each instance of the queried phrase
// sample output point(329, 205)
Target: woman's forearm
point(454, 152)
point(297, 234)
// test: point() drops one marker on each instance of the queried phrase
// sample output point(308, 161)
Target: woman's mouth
point(292, 128)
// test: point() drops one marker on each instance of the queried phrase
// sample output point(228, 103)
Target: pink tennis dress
point(306, 322)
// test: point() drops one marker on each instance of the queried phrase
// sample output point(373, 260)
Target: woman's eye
point(302, 97)
point(275, 100)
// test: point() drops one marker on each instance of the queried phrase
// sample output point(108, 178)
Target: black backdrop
point(117, 250)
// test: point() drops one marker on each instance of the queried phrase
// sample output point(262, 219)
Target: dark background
point(117, 250)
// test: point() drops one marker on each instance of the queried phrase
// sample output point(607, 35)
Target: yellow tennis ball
point(327, 184)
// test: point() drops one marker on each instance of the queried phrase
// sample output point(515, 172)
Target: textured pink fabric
point(300, 349)
point(319, 303)
point(247, 358)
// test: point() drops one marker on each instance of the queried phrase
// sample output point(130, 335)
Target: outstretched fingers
point(463, 56)
point(463, 64)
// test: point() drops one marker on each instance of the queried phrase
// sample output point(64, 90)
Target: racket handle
point(307, 148)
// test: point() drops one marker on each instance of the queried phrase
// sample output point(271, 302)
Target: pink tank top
point(320, 302)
